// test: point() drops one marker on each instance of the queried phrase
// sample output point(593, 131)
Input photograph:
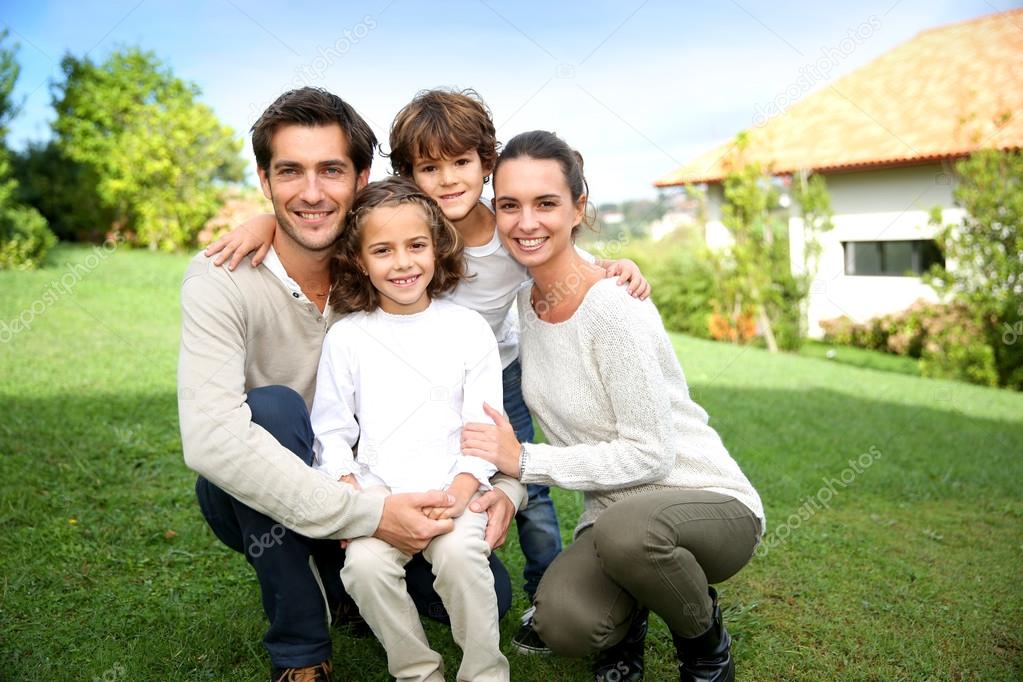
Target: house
point(885, 138)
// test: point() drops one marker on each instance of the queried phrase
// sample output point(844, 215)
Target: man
point(250, 344)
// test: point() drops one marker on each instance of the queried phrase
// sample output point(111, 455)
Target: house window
point(908, 258)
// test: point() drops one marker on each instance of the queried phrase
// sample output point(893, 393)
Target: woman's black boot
point(706, 657)
point(624, 661)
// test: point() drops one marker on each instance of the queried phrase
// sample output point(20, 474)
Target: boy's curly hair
point(442, 123)
point(352, 290)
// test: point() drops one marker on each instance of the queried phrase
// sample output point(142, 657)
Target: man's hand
point(405, 526)
point(500, 512)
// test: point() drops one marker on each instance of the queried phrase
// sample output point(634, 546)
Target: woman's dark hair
point(351, 289)
point(544, 145)
point(313, 107)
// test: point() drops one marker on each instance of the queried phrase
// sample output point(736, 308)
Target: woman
point(667, 510)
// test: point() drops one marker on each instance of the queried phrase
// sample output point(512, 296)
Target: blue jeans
point(298, 634)
point(539, 532)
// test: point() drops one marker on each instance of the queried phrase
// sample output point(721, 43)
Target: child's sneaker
point(526, 641)
point(314, 673)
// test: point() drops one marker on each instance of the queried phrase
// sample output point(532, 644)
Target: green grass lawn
point(858, 357)
point(913, 570)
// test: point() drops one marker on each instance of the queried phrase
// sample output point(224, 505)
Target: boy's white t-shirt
point(402, 386)
point(492, 291)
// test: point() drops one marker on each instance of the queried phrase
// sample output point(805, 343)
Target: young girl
point(401, 374)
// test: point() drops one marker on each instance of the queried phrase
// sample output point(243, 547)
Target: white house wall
point(875, 205)
point(879, 205)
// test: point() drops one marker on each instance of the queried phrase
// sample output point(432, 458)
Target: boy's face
point(455, 183)
point(312, 183)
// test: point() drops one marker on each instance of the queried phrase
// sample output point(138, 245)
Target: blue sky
point(638, 87)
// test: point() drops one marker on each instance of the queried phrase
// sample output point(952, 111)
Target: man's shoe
point(706, 657)
point(624, 661)
point(313, 673)
point(526, 641)
point(347, 619)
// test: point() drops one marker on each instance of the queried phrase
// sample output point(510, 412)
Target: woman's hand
point(495, 442)
point(627, 272)
point(255, 234)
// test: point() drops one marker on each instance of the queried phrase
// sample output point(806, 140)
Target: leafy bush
point(683, 289)
point(954, 347)
point(986, 246)
point(949, 341)
point(25, 238)
point(682, 280)
point(63, 191)
point(24, 235)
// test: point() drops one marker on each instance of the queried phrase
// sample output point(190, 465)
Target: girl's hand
point(351, 480)
point(627, 271)
point(255, 234)
point(462, 489)
point(495, 442)
point(452, 512)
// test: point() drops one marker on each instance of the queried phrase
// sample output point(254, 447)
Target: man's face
point(311, 182)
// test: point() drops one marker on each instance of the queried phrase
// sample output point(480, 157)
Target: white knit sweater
point(607, 389)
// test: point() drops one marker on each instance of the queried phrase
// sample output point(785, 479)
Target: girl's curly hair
point(352, 290)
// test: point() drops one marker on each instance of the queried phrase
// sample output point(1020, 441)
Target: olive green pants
point(657, 550)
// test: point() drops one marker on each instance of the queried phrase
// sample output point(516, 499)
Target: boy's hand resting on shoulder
point(462, 489)
point(627, 272)
point(254, 235)
point(351, 480)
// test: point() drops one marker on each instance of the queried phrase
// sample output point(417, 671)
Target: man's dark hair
point(314, 107)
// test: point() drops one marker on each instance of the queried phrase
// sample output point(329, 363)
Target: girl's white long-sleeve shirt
point(402, 387)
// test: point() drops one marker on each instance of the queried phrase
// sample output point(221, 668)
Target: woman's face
point(534, 209)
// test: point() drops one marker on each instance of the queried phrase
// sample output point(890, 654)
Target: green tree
point(63, 191)
point(755, 271)
point(25, 238)
point(756, 263)
point(985, 252)
point(159, 155)
point(810, 192)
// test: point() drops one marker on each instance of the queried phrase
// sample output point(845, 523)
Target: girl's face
point(534, 209)
point(397, 255)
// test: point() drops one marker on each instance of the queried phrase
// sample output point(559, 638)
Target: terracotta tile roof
point(942, 94)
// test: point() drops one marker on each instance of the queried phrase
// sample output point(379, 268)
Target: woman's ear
point(580, 210)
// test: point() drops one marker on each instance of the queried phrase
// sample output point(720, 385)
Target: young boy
point(446, 142)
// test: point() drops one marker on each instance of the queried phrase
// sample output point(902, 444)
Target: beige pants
point(374, 575)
